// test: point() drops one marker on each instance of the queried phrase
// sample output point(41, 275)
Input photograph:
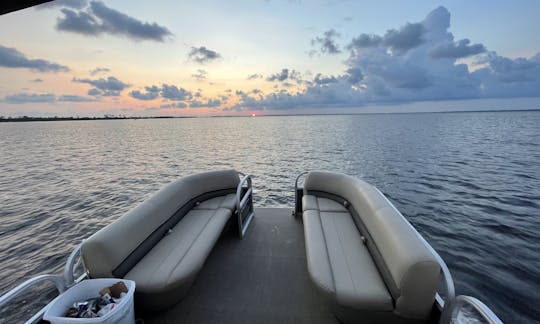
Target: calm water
point(469, 182)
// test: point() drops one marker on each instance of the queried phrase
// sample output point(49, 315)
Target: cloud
point(12, 58)
point(457, 50)
point(320, 79)
point(210, 103)
point(79, 22)
point(75, 98)
point(502, 77)
point(254, 76)
point(336, 95)
point(365, 40)
point(94, 92)
point(200, 75)
point(151, 93)
point(284, 75)
point(327, 43)
point(417, 62)
point(203, 55)
point(165, 91)
point(115, 22)
point(143, 96)
point(21, 98)
point(99, 19)
point(99, 70)
point(110, 86)
point(398, 41)
point(407, 37)
point(354, 75)
point(38, 80)
point(24, 97)
point(172, 92)
point(75, 4)
point(179, 105)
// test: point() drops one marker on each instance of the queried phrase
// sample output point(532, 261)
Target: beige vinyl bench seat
point(338, 259)
point(163, 243)
point(363, 254)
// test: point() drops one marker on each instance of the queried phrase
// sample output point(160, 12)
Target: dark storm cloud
point(99, 19)
point(203, 55)
point(12, 58)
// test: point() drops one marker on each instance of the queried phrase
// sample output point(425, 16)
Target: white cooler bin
point(123, 313)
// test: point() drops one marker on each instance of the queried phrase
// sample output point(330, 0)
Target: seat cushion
point(321, 204)
point(227, 202)
point(338, 261)
point(171, 266)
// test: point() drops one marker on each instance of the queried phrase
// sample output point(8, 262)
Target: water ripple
point(469, 182)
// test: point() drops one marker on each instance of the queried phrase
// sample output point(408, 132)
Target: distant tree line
point(57, 118)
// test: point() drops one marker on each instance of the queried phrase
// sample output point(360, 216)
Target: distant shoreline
point(32, 119)
point(56, 118)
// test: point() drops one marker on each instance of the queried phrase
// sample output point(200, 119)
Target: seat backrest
point(407, 266)
point(116, 248)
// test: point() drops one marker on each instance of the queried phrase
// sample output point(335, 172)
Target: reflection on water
point(469, 182)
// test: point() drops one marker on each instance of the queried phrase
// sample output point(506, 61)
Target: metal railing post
point(242, 202)
point(295, 212)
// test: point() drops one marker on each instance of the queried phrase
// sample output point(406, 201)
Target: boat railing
point(61, 283)
point(459, 306)
point(244, 204)
point(297, 195)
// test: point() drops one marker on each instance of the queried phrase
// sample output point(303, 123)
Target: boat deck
point(260, 279)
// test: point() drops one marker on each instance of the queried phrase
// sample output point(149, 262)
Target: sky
point(185, 58)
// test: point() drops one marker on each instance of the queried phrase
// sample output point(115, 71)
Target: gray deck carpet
point(261, 279)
